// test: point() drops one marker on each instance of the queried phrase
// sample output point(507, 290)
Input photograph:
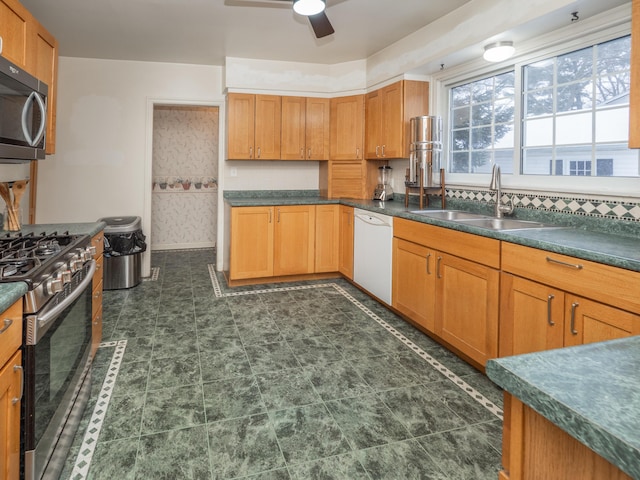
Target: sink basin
point(504, 223)
point(450, 214)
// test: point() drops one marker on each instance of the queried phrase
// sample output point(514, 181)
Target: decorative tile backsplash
point(578, 206)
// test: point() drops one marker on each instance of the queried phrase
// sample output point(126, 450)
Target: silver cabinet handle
point(258, 153)
point(377, 150)
point(357, 152)
point(15, 400)
point(383, 147)
point(309, 157)
point(576, 266)
point(269, 215)
point(549, 319)
point(438, 267)
point(428, 269)
point(250, 152)
point(302, 153)
point(574, 305)
point(278, 216)
point(7, 323)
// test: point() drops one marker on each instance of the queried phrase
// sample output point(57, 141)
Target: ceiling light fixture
point(498, 51)
point(308, 7)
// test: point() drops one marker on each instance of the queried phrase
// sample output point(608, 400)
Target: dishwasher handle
point(372, 220)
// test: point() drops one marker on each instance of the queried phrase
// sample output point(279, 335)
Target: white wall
point(99, 168)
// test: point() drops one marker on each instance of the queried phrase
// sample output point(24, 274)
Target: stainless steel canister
point(425, 150)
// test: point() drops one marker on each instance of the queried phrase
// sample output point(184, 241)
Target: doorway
point(184, 171)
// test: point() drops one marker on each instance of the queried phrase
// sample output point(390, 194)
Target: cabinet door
point(240, 126)
point(251, 254)
point(373, 125)
point(391, 121)
point(347, 121)
point(10, 383)
point(45, 66)
point(317, 128)
point(414, 286)
point(467, 304)
point(293, 128)
point(327, 233)
point(347, 179)
point(587, 321)
point(14, 24)
point(531, 316)
point(294, 236)
point(346, 241)
point(268, 124)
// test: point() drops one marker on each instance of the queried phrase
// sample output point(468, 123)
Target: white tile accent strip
point(87, 449)
point(459, 382)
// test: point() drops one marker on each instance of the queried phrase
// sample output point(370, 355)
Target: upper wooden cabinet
point(634, 100)
point(253, 126)
point(347, 127)
point(29, 45)
point(305, 128)
point(387, 115)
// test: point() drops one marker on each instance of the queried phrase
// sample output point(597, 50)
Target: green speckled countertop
point(611, 242)
point(10, 292)
point(591, 391)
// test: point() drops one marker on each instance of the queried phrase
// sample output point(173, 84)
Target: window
point(575, 107)
point(481, 125)
point(563, 116)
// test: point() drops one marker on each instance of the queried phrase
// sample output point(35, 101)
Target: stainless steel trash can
point(124, 244)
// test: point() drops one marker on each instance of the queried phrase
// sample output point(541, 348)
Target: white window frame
point(580, 35)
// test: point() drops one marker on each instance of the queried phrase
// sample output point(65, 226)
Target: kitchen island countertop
point(591, 391)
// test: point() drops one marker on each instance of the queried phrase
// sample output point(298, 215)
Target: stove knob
point(87, 255)
point(91, 250)
point(75, 264)
point(54, 285)
point(65, 276)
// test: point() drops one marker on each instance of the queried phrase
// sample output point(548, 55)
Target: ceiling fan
point(314, 10)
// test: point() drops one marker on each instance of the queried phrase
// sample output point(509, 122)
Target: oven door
point(57, 369)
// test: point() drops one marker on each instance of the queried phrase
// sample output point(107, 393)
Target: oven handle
point(55, 311)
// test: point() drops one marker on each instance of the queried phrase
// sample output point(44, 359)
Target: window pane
point(614, 56)
point(480, 138)
point(575, 65)
point(539, 75)
point(612, 125)
point(504, 158)
point(538, 132)
point(503, 110)
point(575, 96)
point(577, 159)
point(625, 162)
point(460, 162)
point(460, 140)
point(481, 162)
point(505, 85)
point(461, 117)
point(481, 114)
point(613, 89)
point(482, 90)
point(575, 128)
point(503, 136)
point(539, 103)
point(537, 161)
point(460, 95)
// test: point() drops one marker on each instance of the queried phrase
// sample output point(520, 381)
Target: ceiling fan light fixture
point(498, 51)
point(308, 7)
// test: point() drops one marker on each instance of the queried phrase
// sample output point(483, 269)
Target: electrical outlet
point(234, 172)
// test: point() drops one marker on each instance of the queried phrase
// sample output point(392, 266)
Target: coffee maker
point(383, 190)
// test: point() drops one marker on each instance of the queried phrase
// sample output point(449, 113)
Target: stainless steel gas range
point(58, 270)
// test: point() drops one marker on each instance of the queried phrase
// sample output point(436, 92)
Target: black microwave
point(23, 114)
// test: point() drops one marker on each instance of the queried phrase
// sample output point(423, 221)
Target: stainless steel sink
point(504, 223)
point(450, 214)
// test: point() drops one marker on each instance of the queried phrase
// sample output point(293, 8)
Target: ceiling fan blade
point(321, 25)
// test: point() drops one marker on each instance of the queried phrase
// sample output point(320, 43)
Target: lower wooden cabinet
point(11, 382)
point(97, 241)
point(534, 448)
point(283, 240)
point(345, 263)
point(456, 297)
point(537, 317)
point(327, 237)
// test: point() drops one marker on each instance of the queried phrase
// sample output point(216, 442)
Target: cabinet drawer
point(11, 326)
point(611, 285)
point(485, 251)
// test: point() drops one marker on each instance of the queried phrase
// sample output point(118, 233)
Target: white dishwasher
point(373, 240)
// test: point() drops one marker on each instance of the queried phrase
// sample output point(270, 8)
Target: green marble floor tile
point(420, 411)
point(276, 297)
point(170, 324)
point(340, 467)
point(286, 389)
point(464, 454)
point(405, 460)
point(116, 459)
point(177, 306)
point(271, 357)
point(449, 359)
point(232, 398)
point(460, 403)
point(286, 311)
point(317, 350)
point(134, 325)
point(173, 408)
point(383, 372)
point(279, 474)
point(367, 421)
point(174, 345)
point(218, 365)
point(132, 378)
point(337, 380)
point(308, 433)
point(218, 339)
point(178, 454)
point(174, 371)
point(417, 367)
point(138, 349)
point(243, 446)
point(215, 319)
point(123, 418)
point(262, 330)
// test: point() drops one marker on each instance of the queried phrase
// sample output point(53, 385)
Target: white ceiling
point(207, 31)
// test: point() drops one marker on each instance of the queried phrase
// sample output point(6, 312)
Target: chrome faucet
point(495, 186)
